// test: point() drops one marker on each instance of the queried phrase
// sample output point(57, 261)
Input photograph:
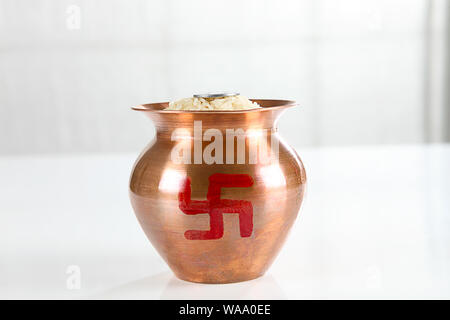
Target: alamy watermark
point(73, 19)
point(73, 281)
point(231, 149)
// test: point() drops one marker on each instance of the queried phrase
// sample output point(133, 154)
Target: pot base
point(217, 280)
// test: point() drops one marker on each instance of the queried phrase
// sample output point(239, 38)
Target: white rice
point(227, 103)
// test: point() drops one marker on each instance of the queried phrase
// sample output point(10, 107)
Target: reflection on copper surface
point(273, 176)
point(171, 181)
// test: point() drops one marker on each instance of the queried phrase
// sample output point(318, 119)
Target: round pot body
point(216, 192)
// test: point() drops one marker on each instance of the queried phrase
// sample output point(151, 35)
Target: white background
point(375, 222)
point(364, 72)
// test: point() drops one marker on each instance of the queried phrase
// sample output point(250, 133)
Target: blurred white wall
point(70, 70)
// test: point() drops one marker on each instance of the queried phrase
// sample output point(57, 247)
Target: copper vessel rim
point(266, 104)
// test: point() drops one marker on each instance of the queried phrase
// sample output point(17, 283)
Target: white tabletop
point(375, 224)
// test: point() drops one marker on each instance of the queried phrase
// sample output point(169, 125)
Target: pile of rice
point(226, 103)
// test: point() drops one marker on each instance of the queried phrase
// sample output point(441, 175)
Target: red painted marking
point(216, 207)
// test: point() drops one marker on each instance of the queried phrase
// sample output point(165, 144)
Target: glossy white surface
point(375, 224)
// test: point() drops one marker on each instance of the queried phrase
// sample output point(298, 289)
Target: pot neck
point(167, 123)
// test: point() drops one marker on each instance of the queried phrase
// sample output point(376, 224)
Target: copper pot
point(224, 221)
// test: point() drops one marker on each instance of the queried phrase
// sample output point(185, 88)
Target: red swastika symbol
point(216, 207)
